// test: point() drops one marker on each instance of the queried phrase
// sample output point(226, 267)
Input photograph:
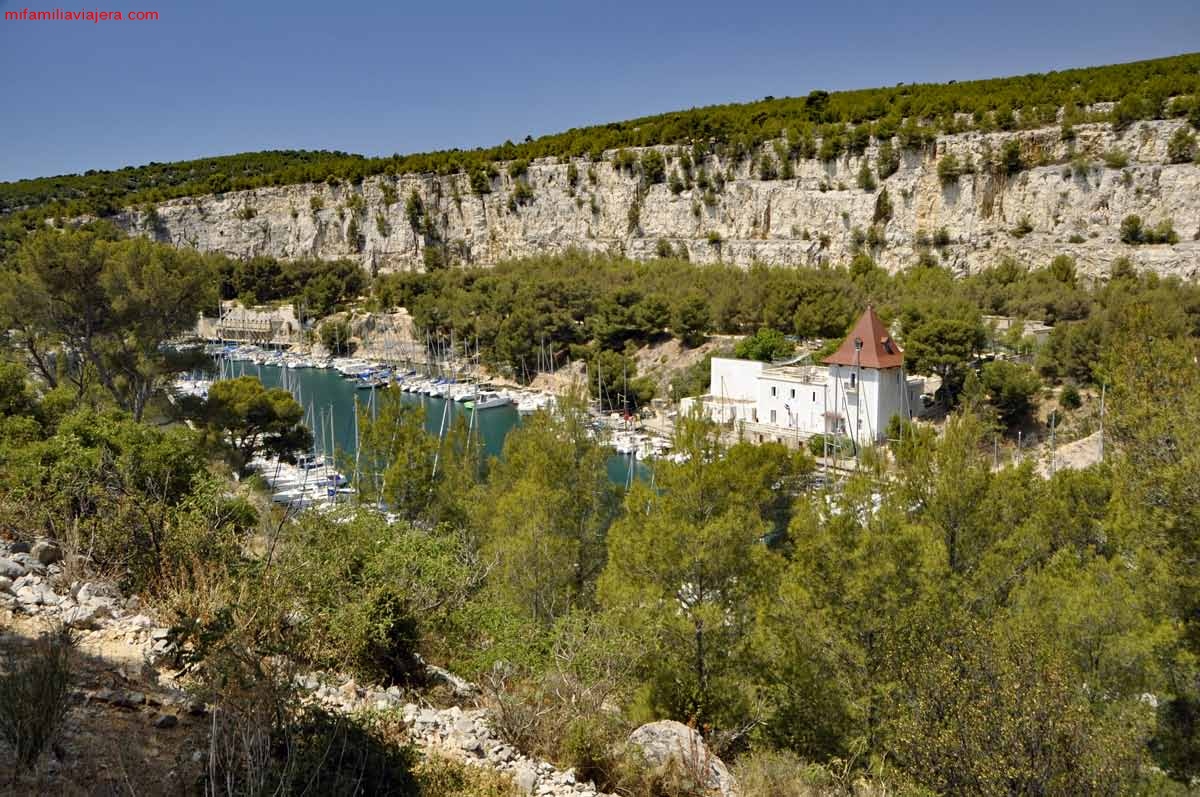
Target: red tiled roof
point(878, 348)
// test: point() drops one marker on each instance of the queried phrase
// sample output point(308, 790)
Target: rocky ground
point(133, 728)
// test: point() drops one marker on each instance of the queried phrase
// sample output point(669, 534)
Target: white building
point(860, 388)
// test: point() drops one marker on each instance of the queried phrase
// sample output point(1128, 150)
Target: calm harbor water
point(320, 389)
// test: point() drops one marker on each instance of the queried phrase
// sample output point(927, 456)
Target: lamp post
point(858, 344)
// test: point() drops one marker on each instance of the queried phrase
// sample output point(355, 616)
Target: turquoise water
point(320, 389)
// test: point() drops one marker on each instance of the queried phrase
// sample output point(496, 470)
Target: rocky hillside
point(1067, 196)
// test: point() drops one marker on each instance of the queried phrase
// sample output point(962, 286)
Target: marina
point(330, 390)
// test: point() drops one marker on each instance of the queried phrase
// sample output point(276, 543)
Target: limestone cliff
point(1070, 201)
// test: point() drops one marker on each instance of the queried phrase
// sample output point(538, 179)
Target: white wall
point(736, 380)
point(804, 410)
point(868, 409)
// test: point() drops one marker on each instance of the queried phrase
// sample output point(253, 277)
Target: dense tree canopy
point(84, 307)
point(254, 420)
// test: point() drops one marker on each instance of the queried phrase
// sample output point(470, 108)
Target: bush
point(780, 773)
point(888, 162)
point(1070, 398)
point(1134, 233)
point(1023, 228)
point(1010, 157)
point(836, 446)
point(866, 180)
point(765, 345)
point(522, 192)
point(654, 168)
point(266, 740)
point(1115, 159)
point(883, 208)
point(34, 696)
point(1011, 389)
point(1182, 147)
point(336, 337)
point(949, 169)
point(440, 776)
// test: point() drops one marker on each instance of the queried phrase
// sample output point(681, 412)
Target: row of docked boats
point(471, 394)
point(311, 481)
point(369, 375)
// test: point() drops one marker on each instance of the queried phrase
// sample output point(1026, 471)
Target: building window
point(853, 380)
point(772, 413)
point(814, 397)
point(793, 392)
point(772, 391)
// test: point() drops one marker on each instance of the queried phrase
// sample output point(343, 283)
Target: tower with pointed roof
point(867, 381)
point(854, 393)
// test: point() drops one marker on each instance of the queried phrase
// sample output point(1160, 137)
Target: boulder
point(46, 552)
point(86, 616)
point(19, 547)
point(672, 746)
point(166, 721)
point(525, 778)
point(10, 569)
point(37, 595)
point(98, 592)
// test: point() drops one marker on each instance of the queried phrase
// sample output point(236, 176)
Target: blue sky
point(381, 77)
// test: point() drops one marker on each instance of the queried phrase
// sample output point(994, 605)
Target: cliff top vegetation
point(848, 120)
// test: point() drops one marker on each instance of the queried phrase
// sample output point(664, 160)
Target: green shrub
point(887, 162)
point(522, 192)
point(780, 773)
point(440, 776)
point(1010, 157)
point(264, 739)
point(835, 445)
point(654, 168)
point(1011, 389)
point(866, 180)
point(1182, 146)
point(1115, 159)
point(1070, 398)
point(765, 345)
point(35, 694)
point(1134, 233)
point(949, 169)
point(336, 336)
point(883, 208)
point(481, 183)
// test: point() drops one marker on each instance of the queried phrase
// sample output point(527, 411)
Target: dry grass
point(35, 693)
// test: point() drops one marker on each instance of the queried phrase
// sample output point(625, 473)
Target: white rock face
point(1074, 204)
